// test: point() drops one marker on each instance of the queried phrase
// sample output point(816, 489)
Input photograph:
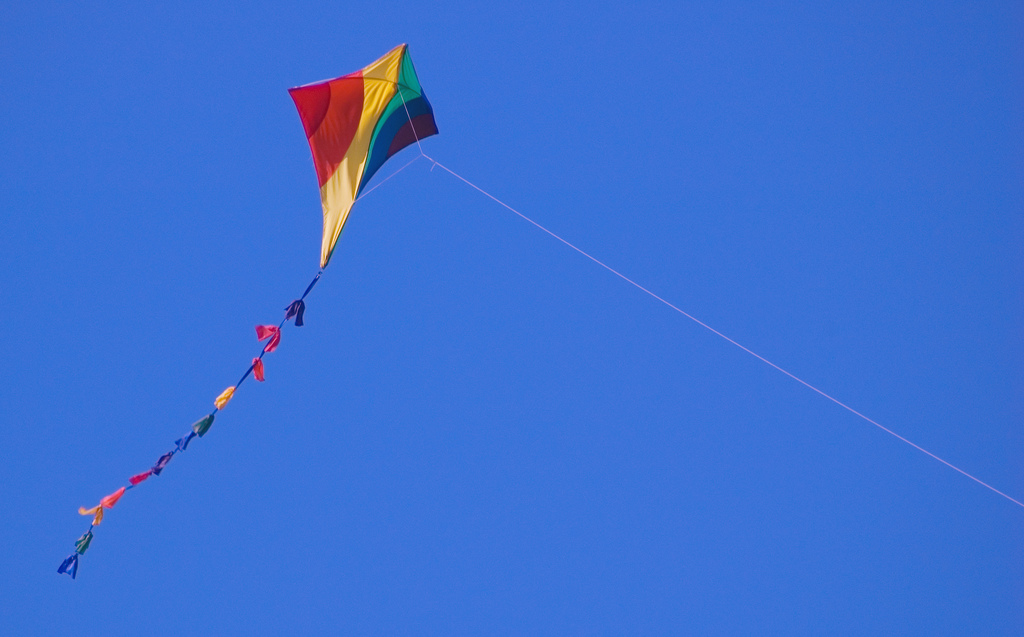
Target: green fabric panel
point(407, 74)
point(203, 425)
point(82, 544)
point(406, 77)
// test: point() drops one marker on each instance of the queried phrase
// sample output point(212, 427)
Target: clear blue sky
point(478, 431)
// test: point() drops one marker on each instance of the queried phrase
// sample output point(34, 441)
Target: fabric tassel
point(201, 426)
point(257, 369)
point(82, 543)
point(155, 471)
point(109, 501)
point(69, 565)
point(96, 512)
point(182, 443)
point(136, 479)
point(225, 396)
point(296, 309)
point(106, 503)
point(272, 332)
point(161, 463)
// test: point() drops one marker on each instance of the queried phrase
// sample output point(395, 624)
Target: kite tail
point(295, 310)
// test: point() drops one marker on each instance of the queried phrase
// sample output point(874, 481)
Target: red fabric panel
point(311, 102)
point(330, 113)
point(257, 369)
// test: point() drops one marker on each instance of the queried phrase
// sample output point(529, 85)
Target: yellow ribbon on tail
point(96, 511)
point(107, 502)
point(224, 398)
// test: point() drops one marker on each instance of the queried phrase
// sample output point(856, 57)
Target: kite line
point(714, 331)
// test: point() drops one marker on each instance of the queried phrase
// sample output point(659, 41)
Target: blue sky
point(478, 431)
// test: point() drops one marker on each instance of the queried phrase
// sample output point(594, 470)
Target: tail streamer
point(199, 429)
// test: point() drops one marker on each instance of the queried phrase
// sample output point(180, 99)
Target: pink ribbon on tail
point(136, 479)
point(272, 332)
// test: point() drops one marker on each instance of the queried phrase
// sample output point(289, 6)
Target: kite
point(354, 124)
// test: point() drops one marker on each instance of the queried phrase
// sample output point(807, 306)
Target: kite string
point(411, 125)
point(720, 334)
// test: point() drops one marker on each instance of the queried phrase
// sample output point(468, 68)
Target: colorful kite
point(354, 124)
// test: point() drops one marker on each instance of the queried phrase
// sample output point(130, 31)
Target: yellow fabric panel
point(339, 193)
point(387, 67)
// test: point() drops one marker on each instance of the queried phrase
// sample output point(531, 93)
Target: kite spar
point(354, 124)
